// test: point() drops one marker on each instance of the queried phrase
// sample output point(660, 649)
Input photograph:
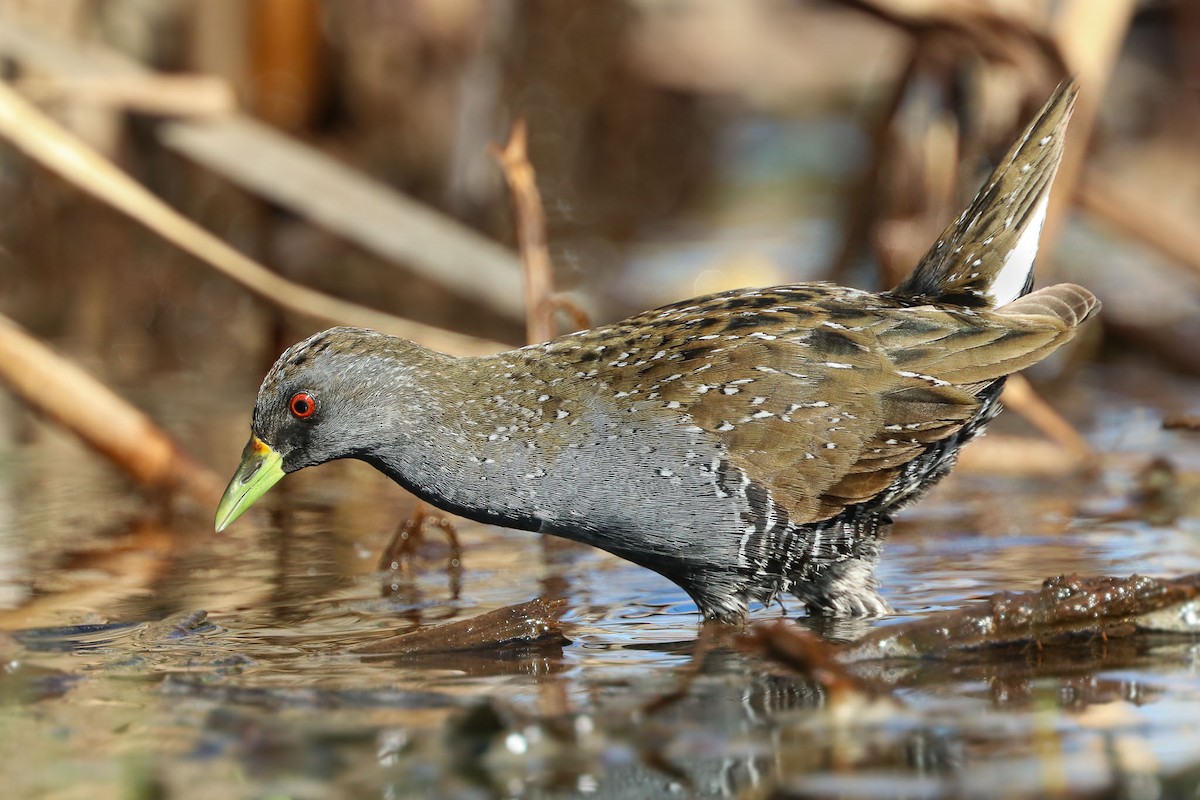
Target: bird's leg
point(848, 587)
point(401, 546)
point(402, 549)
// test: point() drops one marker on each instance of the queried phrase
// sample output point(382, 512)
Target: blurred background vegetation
point(681, 146)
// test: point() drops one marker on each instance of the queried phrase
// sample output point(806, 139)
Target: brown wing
point(944, 359)
point(821, 395)
point(824, 405)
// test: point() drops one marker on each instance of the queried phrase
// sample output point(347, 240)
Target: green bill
point(261, 468)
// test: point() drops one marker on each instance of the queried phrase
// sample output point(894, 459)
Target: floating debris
point(534, 622)
point(1066, 608)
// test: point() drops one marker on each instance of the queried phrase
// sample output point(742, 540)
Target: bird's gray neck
point(462, 439)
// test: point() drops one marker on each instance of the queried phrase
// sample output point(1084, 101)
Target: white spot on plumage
point(838, 365)
point(931, 379)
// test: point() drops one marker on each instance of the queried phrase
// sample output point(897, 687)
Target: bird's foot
point(846, 589)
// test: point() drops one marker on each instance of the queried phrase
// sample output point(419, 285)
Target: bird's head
point(328, 397)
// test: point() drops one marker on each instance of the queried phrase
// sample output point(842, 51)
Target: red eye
point(303, 405)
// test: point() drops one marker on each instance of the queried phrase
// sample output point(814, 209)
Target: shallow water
point(116, 685)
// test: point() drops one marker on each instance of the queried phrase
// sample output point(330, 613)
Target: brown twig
point(195, 96)
point(531, 233)
point(108, 424)
point(1181, 422)
point(1020, 397)
point(1017, 457)
point(580, 319)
